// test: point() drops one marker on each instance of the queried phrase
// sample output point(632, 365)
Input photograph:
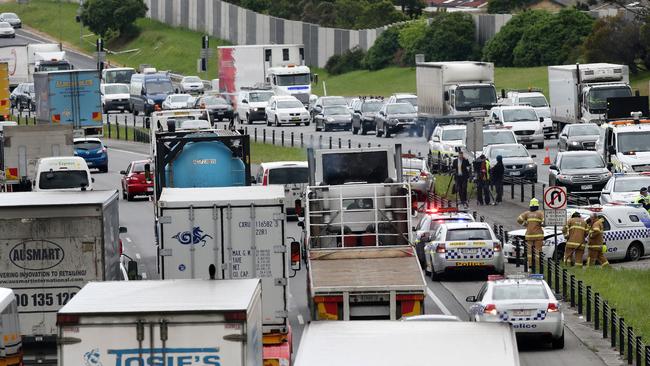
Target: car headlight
point(566, 178)
point(394, 120)
point(150, 101)
point(330, 119)
point(531, 166)
point(626, 167)
point(574, 143)
point(606, 175)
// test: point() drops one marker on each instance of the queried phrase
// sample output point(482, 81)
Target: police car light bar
point(629, 122)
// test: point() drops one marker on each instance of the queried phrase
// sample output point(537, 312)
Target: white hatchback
point(286, 109)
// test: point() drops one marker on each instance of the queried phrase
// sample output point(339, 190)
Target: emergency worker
point(596, 243)
point(643, 199)
point(575, 231)
point(533, 219)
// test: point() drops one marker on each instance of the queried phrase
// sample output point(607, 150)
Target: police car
point(624, 187)
point(463, 246)
point(548, 248)
point(444, 142)
point(626, 232)
point(430, 221)
point(526, 302)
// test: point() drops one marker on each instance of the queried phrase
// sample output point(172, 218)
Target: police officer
point(533, 219)
point(596, 242)
point(576, 231)
point(482, 169)
point(643, 198)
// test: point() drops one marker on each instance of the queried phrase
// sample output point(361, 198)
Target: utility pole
point(101, 55)
point(205, 46)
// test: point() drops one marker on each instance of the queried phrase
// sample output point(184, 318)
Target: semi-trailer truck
point(358, 238)
point(70, 98)
point(53, 244)
point(453, 91)
point(282, 66)
point(578, 93)
point(174, 323)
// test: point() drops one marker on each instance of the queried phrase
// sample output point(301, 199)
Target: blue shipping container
point(69, 97)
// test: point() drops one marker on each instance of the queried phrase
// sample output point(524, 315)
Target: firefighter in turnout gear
point(533, 219)
point(596, 243)
point(576, 231)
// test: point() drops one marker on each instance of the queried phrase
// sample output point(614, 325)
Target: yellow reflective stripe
point(534, 236)
point(533, 219)
point(573, 244)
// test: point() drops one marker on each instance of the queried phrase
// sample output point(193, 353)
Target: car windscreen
point(334, 101)
point(286, 104)
point(63, 179)
point(371, 106)
point(121, 76)
point(516, 151)
point(633, 142)
point(411, 100)
point(631, 184)
point(520, 292)
point(337, 110)
point(5, 25)
point(296, 79)
point(180, 98)
point(294, 175)
point(519, 115)
point(455, 134)
point(159, 87)
point(87, 145)
point(468, 234)
point(534, 102)
point(498, 137)
point(139, 167)
point(341, 168)
point(400, 109)
point(10, 16)
point(116, 89)
point(213, 101)
point(582, 162)
point(192, 79)
point(583, 130)
point(260, 96)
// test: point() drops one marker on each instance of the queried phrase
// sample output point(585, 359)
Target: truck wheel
point(540, 145)
point(268, 123)
point(355, 130)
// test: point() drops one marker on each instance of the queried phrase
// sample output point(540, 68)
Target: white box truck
point(578, 93)
point(453, 91)
point(173, 323)
point(51, 245)
point(386, 343)
point(282, 66)
point(23, 146)
point(44, 57)
point(231, 233)
point(14, 53)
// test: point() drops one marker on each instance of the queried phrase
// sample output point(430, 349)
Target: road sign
point(555, 198)
point(555, 217)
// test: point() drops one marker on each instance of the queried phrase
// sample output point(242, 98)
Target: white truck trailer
point(14, 53)
point(357, 237)
point(454, 91)
point(23, 146)
point(231, 233)
point(578, 93)
point(385, 343)
point(53, 243)
point(282, 66)
point(43, 57)
point(180, 322)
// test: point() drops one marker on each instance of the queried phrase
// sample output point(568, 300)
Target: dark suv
point(581, 172)
point(363, 115)
point(23, 97)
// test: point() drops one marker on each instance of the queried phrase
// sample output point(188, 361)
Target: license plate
point(469, 250)
point(521, 312)
point(295, 119)
point(586, 186)
point(515, 173)
point(149, 189)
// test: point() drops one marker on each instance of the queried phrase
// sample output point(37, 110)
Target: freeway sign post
point(555, 202)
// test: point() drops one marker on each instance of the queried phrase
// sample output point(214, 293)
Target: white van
point(293, 175)
point(67, 173)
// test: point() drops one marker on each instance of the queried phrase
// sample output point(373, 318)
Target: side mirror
point(611, 150)
point(143, 92)
point(446, 95)
point(301, 224)
point(92, 180)
point(564, 135)
point(436, 139)
point(533, 156)
point(470, 299)
point(314, 78)
point(123, 172)
point(295, 256)
point(553, 167)
point(541, 119)
point(244, 101)
point(123, 230)
point(318, 108)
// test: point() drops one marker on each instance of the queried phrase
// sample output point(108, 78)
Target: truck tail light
point(235, 316)
point(552, 307)
point(490, 309)
point(67, 319)
point(97, 116)
point(328, 307)
point(56, 118)
point(441, 248)
point(410, 305)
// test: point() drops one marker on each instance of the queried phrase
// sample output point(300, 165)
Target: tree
point(379, 13)
point(500, 48)
point(412, 39)
point(104, 17)
point(507, 6)
point(412, 8)
point(347, 12)
point(382, 52)
point(614, 39)
point(450, 37)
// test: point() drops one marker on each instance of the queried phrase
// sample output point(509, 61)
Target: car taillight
point(67, 319)
point(552, 307)
point(497, 246)
point(490, 309)
point(424, 174)
point(265, 180)
point(441, 248)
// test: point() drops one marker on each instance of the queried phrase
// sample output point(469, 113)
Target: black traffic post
point(588, 303)
point(533, 255)
point(630, 337)
point(564, 283)
point(264, 135)
point(612, 319)
point(302, 140)
point(330, 142)
point(526, 258)
point(282, 138)
point(108, 122)
point(532, 189)
point(339, 142)
point(512, 190)
point(557, 277)
point(272, 137)
point(621, 336)
point(572, 282)
point(501, 235)
point(549, 270)
point(350, 144)
point(638, 348)
point(541, 263)
point(521, 185)
point(516, 240)
point(605, 316)
point(647, 355)
point(580, 297)
point(596, 311)
point(291, 138)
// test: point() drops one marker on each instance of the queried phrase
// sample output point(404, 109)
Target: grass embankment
point(160, 45)
point(264, 153)
point(445, 184)
point(624, 289)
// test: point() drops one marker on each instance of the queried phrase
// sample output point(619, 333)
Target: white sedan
point(624, 187)
point(526, 302)
point(6, 30)
point(191, 84)
point(178, 101)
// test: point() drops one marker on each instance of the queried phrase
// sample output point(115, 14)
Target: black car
point(323, 102)
point(363, 115)
point(581, 172)
point(218, 107)
point(518, 163)
point(336, 117)
point(395, 117)
point(23, 97)
point(581, 136)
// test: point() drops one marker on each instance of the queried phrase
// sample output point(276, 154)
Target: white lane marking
point(438, 302)
point(301, 321)
point(129, 240)
point(128, 152)
point(144, 275)
point(137, 255)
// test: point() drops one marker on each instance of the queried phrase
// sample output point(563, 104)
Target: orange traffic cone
point(547, 158)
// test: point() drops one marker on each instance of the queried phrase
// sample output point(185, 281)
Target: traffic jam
point(320, 261)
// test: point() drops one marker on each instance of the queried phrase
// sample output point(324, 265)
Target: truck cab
point(624, 144)
point(294, 80)
point(68, 173)
point(51, 61)
point(594, 99)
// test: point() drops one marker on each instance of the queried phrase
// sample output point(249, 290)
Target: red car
point(134, 182)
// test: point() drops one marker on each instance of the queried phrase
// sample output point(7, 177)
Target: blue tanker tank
point(205, 164)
